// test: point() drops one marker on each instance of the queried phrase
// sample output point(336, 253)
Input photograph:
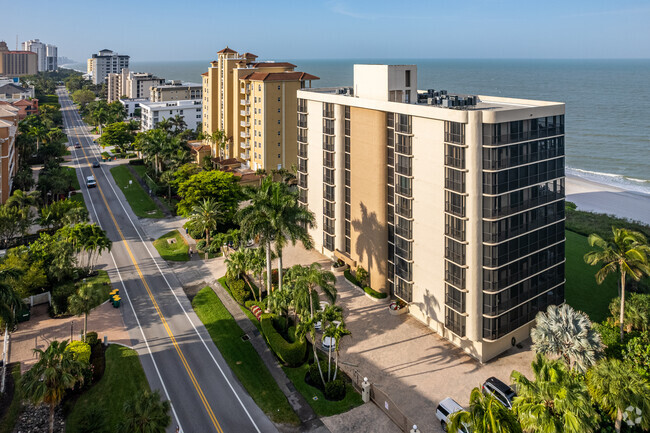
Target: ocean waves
point(615, 180)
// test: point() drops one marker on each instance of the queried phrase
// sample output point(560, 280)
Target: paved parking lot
point(406, 359)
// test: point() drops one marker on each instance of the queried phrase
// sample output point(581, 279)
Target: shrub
point(291, 353)
point(610, 336)
point(60, 295)
point(335, 390)
point(80, 351)
point(93, 419)
point(314, 375)
point(91, 338)
point(136, 161)
point(351, 278)
point(98, 361)
point(239, 291)
point(200, 245)
point(374, 293)
point(362, 276)
point(637, 351)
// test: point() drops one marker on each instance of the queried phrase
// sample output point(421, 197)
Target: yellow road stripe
point(195, 382)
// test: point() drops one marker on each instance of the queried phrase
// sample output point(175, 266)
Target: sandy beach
point(597, 197)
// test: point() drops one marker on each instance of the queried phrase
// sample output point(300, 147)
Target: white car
point(445, 409)
point(91, 182)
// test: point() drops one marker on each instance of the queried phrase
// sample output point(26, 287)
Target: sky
point(162, 30)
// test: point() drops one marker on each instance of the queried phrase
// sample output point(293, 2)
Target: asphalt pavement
point(175, 349)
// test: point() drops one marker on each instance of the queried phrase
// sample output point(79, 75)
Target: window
point(278, 87)
point(278, 110)
point(455, 132)
point(455, 322)
point(454, 298)
point(278, 121)
point(278, 155)
point(455, 251)
point(454, 274)
point(259, 87)
point(407, 78)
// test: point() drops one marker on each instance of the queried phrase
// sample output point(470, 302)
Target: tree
point(118, 135)
point(62, 212)
point(616, 385)
point(567, 333)
point(238, 265)
point(305, 327)
point(179, 123)
point(23, 202)
point(39, 133)
point(626, 253)
point(219, 139)
point(146, 413)
point(10, 222)
point(83, 97)
point(221, 186)
point(55, 372)
point(29, 278)
point(556, 401)
point(339, 333)
point(637, 311)
point(331, 318)
point(204, 218)
point(314, 276)
point(184, 172)
point(83, 301)
point(10, 302)
point(485, 415)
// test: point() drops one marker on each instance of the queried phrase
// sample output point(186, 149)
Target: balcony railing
point(245, 134)
point(245, 144)
point(245, 102)
point(245, 155)
point(243, 90)
point(245, 123)
point(245, 112)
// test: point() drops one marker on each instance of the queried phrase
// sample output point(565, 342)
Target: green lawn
point(321, 406)
point(177, 252)
point(123, 378)
point(246, 311)
point(581, 290)
point(140, 169)
point(73, 176)
point(242, 357)
point(80, 198)
point(143, 206)
point(8, 421)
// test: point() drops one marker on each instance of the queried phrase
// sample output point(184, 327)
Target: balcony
point(245, 156)
point(243, 90)
point(245, 144)
point(245, 102)
point(245, 134)
point(245, 113)
point(245, 123)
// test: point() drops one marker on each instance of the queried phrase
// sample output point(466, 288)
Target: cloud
point(341, 8)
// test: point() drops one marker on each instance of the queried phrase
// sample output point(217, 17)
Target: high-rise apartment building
point(104, 63)
point(8, 156)
point(453, 203)
point(47, 54)
point(17, 63)
point(132, 85)
point(254, 104)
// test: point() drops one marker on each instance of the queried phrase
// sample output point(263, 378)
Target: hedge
point(374, 293)
point(290, 353)
point(351, 278)
point(80, 351)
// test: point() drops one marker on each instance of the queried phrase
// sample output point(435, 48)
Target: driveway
point(406, 359)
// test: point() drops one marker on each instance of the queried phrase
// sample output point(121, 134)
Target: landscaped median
point(242, 357)
point(172, 246)
point(141, 204)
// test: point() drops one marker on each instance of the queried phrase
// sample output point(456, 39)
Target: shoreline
point(597, 197)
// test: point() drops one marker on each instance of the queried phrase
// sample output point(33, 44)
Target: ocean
point(607, 101)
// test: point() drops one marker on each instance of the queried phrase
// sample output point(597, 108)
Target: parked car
point(96, 164)
point(445, 409)
point(499, 390)
point(91, 182)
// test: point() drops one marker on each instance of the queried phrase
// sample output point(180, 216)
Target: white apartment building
point(104, 63)
point(131, 105)
point(453, 203)
point(132, 85)
point(154, 112)
point(47, 54)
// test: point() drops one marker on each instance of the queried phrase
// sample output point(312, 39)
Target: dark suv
point(499, 390)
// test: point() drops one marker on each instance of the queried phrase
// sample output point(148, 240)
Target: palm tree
point(314, 276)
point(338, 334)
point(218, 138)
point(10, 302)
point(179, 123)
point(145, 413)
point(165, 125)
point(238, 265)
point(279, 302)
point(305, 327)
point(485, 415)
point(626, 253)
point(331, 317)
point(563, 331)
point(556, 401)
point(204, 218)
point(23, 201)
point(83, 301)
point(55, 372)
point(39, 132)
point(616, 385)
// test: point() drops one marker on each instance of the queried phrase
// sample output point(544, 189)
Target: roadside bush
point(351, 278)
point(60, 295)
point(80, 351)
point(91, 338)
point(136, 161)
point(335, 390)
point(239, 291)
point(200, 245)
point(292, 353)
point(314, 375)
point(374, 293)
point(97, 361)
point(93, 419)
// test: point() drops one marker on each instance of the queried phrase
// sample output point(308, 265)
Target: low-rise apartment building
point(13, 92)
point(17, 63)
point(8, 156)
point(154, 112)
point(453, 203)
point(176, 91)
point(253, 103)
point(106, 62)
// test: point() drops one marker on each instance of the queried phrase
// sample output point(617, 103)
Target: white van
point(91, 182)
point(445, 409)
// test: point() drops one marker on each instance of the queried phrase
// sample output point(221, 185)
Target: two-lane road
point(176, 351)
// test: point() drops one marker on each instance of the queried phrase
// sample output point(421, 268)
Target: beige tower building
point(17, 63)
point(254, 103)
point(453, 203)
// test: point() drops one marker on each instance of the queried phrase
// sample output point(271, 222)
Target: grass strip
point(80, 198)
point(72, 175)
point(123, 378)
point(581, 290)
point(11, 416)
point(322, 406)
point(242, 357)
point(224, 283)
point(175, 252)
point(141, 204)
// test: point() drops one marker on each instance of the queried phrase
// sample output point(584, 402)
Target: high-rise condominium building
point(454, 204)
point(132, 85)
point(47, 54)
point(9, 117)
point(254, 104)
point(104, 63)
point(17, 63)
